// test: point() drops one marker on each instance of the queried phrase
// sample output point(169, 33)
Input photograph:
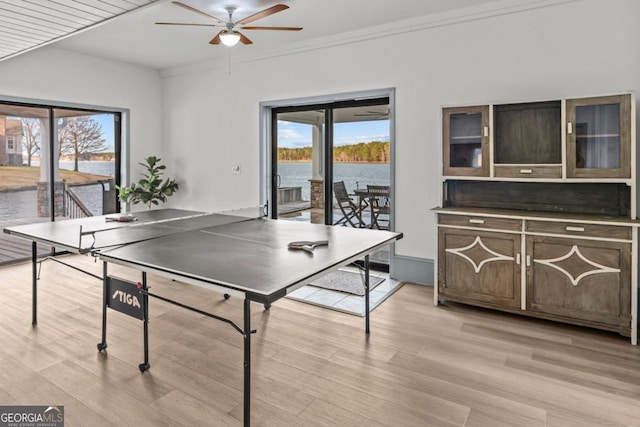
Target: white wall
point(587, 47)
point(60, 76)
point(211, 115)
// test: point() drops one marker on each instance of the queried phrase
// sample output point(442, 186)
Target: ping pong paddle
point(124, 218)
point(308, 245)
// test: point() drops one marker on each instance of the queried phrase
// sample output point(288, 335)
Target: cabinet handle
point(528, 261)
point(486, 130)
point(517, 259)
point(569, 128)
point(526, 170)
point(476, 221)
point(574, 228)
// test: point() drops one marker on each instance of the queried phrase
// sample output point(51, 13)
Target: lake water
point(292, 174)
point(354, 175)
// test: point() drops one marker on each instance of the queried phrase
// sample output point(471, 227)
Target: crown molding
point(423, 23)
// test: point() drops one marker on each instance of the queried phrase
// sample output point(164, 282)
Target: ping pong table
point(240, 254)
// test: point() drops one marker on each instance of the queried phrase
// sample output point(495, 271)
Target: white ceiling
point(134, 37)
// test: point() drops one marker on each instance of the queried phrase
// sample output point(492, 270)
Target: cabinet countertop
point(539, 215)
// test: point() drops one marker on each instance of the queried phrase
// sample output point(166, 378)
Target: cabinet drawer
point(576, 229)
point(482, 222)
point(528, 171)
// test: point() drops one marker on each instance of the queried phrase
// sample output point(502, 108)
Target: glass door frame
point(327, 148)
point(119, 135)
point(326, 134)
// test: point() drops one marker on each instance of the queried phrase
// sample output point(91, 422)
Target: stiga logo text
point(31, 416)
point(126, 298)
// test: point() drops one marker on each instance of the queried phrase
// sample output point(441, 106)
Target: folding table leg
point(105, 302)
point(34, 284)
point(366, 293)
point(247, 362)
point(145, 302)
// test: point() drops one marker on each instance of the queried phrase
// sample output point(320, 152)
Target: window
point(69, 156)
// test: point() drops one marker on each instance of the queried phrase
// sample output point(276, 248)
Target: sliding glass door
point(361, 154)
point(298, 164)
point(316, 147)
point(87, 156)
point(55, 163)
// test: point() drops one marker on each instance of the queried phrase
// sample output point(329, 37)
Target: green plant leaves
point(152, 188)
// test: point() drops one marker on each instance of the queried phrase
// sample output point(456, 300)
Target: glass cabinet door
point(599, 137)
point(466, 141)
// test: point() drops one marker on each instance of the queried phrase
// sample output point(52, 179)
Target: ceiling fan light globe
point(229, 38)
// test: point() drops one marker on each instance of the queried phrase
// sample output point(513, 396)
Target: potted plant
point(151, 189)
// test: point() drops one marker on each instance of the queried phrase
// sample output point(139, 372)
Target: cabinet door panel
point(465, 132)
point(479, 266)
point(528, 133)
point(582, 279)
point(599, 137)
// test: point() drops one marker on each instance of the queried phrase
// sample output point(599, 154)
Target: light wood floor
point(421, 366)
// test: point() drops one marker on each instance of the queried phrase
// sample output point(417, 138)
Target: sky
point(296, 135)
point(106, 122)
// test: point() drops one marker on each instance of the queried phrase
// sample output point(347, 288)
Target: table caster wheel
point(144, 367)
point(101, 346)
point(227, 296)
point(267, 306)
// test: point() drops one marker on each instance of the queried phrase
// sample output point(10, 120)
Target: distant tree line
point(364, 152)
point(106, 156)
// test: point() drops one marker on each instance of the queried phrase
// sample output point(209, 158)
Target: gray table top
point(65, 234)
point(235, 250)
point(251, 256)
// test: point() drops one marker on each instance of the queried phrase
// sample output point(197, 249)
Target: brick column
point(43, 195)
point(317, 193)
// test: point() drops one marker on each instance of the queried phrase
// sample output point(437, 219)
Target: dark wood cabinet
point(466, 141)
point(598, 134)
point(528, 133)
point(526, 140)
point(539, 211)
point(479, 266)
point(586, 281)
point(573, 271)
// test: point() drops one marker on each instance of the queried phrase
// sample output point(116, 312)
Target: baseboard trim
point(414, 270)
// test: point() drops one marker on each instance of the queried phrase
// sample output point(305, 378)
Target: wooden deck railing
point(72, 205)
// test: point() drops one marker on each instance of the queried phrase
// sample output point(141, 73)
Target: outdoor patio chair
point(379, 197)
point(351, 212)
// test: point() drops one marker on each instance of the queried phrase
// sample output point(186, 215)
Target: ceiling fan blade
point(263, 14)
point(193, 9)
point(216, 39)
point(244, 39)
point(274, 28)
point(179, 23)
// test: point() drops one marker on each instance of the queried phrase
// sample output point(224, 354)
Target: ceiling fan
point(230, 35)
